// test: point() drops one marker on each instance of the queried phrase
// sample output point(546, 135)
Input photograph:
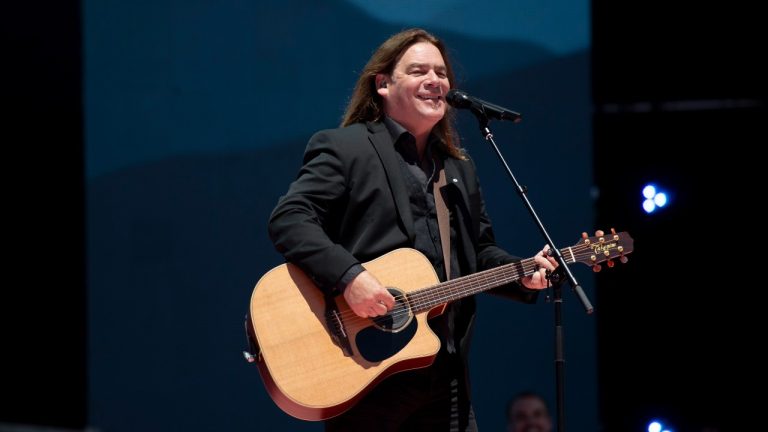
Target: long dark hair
point(367, 105)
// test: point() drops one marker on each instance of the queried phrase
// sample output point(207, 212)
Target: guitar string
point(428, 298)
point(427, 303)
point(423, 300)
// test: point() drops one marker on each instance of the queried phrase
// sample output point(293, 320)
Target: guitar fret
point(428, 298)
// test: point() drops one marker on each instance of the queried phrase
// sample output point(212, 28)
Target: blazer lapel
point(453, 178)
point(382, 143)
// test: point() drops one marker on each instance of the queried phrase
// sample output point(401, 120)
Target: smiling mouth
point(435, 98)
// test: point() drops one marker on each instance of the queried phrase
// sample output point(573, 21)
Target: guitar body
point(318, 359)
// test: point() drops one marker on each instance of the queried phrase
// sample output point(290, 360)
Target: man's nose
point(433, 79)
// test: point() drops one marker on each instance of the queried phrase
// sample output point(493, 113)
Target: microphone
point(459, 99)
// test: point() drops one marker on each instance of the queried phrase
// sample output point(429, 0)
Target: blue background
point(196, 116)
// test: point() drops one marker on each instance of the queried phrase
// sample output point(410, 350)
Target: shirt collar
point(405, 141)
point(396, 130)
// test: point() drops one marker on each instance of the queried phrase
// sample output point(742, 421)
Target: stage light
point(657, 426)
point(649, 191)
point(649, 206)
point(654, 198)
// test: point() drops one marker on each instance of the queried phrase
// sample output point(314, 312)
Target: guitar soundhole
point(398, 317)
point(390, 333)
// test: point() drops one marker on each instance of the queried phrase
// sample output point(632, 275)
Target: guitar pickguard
point(376, 344)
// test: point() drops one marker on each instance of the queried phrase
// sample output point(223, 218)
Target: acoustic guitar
point(318, 358)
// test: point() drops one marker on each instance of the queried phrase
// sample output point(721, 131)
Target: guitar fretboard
point(427, 298)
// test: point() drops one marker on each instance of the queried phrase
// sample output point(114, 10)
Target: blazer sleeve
point(298, 226)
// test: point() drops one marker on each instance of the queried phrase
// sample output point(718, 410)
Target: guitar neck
point(430, 297)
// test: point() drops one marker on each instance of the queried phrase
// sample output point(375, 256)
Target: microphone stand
point(555, 278)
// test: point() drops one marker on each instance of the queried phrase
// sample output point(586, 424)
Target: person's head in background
point(528, 412)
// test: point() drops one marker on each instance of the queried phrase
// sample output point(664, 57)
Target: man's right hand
point(367, 297)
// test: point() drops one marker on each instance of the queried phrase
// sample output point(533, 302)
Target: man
point(366, 189)
point(527, 412)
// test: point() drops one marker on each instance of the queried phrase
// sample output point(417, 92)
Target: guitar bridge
point(337, 320)
point(335, 325)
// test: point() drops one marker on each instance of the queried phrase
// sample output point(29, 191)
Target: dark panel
point(661, 50)
point(679, 100)
point(43, 306)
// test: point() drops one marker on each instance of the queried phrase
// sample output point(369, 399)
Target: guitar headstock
point(594, 250)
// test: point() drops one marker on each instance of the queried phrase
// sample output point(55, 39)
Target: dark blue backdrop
point(197, 114)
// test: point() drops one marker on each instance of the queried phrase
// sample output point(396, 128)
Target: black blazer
point(349, 205)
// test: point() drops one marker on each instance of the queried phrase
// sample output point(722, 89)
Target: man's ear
point(381, 85)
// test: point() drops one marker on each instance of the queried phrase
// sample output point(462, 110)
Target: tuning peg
point(585, 236)
point(596, 268)
point(613, 231)
point(623, 259)
point(610, 263)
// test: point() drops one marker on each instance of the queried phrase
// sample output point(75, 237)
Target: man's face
point(529, 414)
point(414, 95)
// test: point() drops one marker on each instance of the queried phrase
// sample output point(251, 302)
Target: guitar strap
point(443, 217)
